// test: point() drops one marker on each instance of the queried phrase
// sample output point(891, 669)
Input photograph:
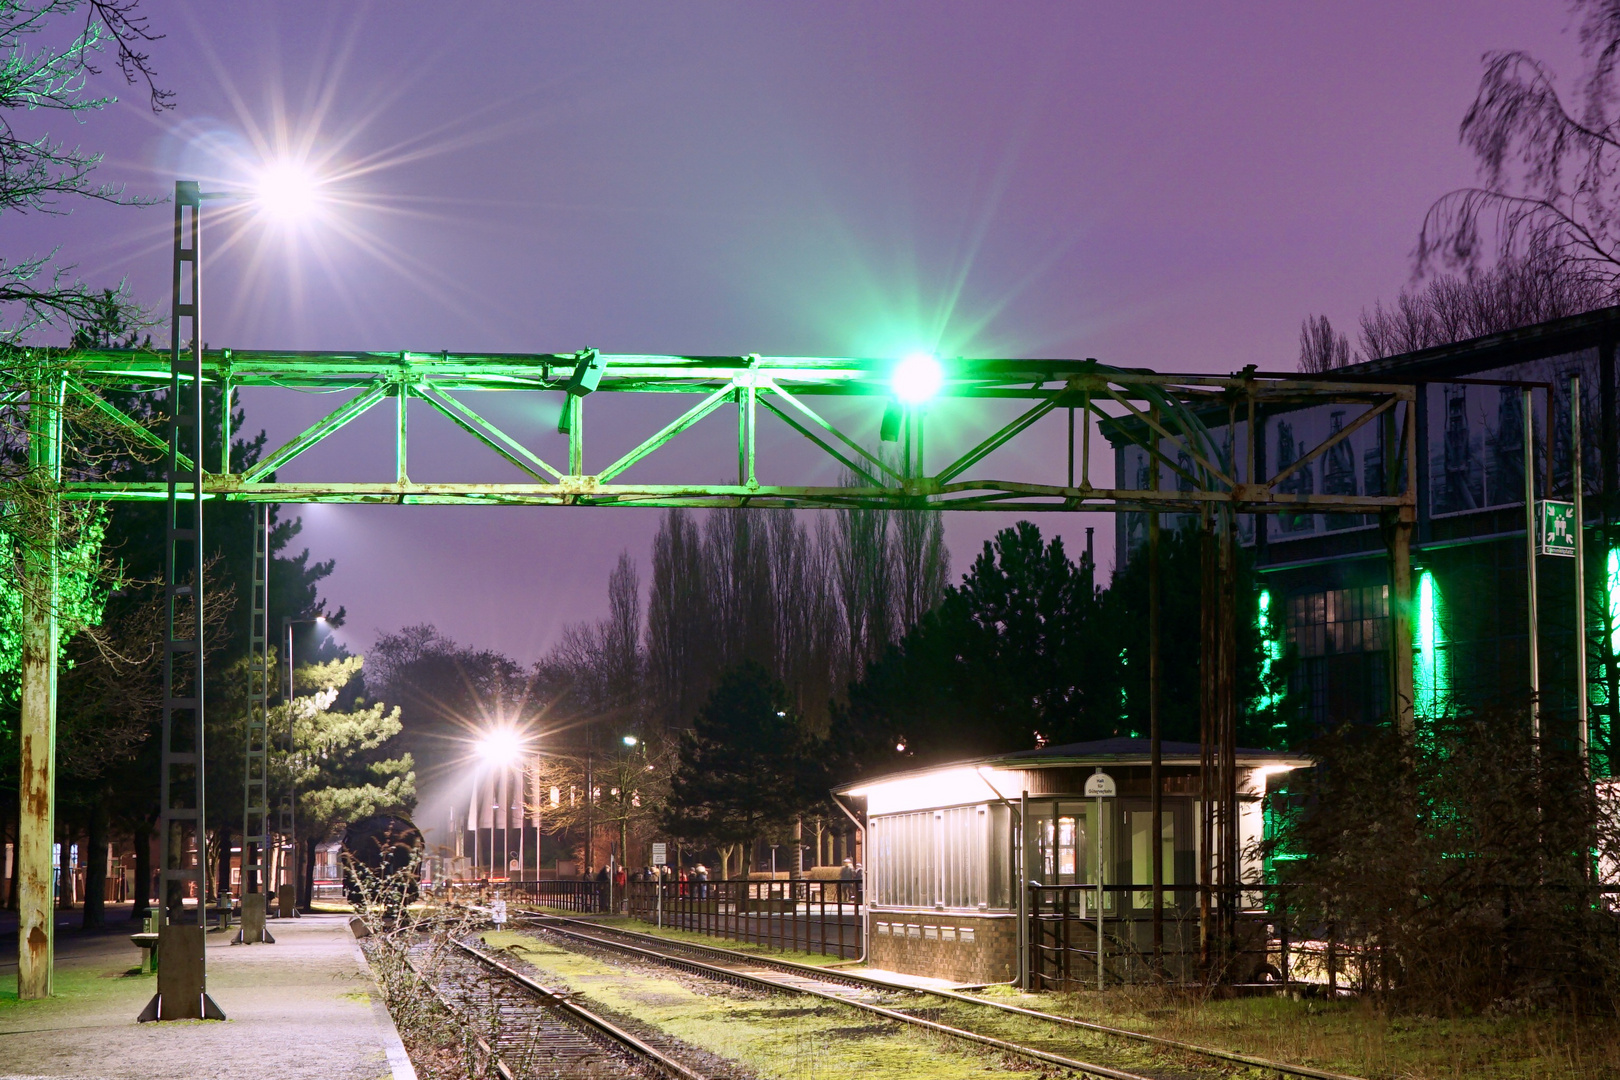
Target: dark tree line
point(1031, 649)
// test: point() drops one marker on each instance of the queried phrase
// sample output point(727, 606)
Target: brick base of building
point(961, 947)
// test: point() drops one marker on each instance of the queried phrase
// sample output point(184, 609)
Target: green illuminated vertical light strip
point(1430, 677)
point(1612, 584)
point(1270, 652)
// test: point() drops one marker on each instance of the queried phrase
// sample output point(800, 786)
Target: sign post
point(658, 854)
point(1100, 785)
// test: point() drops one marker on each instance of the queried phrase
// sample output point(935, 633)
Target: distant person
point(847, 871)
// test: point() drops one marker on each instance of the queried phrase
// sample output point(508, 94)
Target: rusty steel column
point(1155, 742)
point(1227, 710)
point(1398, 537)
point(1207, 734)
point(36, 824)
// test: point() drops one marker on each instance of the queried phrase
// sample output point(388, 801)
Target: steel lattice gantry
point(1173, 409)
point(1187, 423)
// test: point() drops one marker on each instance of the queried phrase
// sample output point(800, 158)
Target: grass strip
point(780, 1037)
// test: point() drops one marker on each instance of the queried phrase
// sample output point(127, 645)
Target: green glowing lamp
point(917, 378)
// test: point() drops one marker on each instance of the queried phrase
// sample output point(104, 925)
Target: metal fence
point(586, 897)
point(1064, 946)
point(1271, 941)
point(804, 916)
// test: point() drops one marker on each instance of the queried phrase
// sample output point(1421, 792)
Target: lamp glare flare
point(501, 746)
point(287, 192)
point(917, 378)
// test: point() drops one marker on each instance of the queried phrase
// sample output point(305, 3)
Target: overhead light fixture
point(917, 378)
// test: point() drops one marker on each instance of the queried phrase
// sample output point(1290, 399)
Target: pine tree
point(745, 769)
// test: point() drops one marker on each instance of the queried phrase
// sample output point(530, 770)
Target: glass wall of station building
point(1327, 575)
point(961, 858)
point(955, 858)
point(1061, 849)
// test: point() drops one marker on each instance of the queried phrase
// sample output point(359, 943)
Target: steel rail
point(501, 1068)
point(811, 971)
point(551, 998)
point(723, 974)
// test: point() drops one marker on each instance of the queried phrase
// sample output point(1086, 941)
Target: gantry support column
point(36, 831)
point(1399, 473)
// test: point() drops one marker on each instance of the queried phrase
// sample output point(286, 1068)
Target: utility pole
point(1582, 721)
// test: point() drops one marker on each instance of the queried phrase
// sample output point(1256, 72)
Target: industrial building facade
point(1325, 577)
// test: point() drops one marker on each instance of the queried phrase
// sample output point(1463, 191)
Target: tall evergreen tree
point(745, 770)
point(1018, 653)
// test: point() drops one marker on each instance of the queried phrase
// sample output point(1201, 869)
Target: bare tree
point(807, 630)
point(621, 633)
point(37, 173)
point(679, 638)
point(863, 574)
point(737, 559)
point(922, 564)
point(1516, 291)
point(1547, 168)
point(1320, 349)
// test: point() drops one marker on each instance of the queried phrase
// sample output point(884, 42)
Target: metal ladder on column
point(183, 819)
point(256, 769)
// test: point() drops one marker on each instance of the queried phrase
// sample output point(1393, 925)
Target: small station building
point(945, 847)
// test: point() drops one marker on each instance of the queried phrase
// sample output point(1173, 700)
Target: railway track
point(529, 1030)
point(904, 1004)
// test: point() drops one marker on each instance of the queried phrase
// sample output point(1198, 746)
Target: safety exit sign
point(1556, 531)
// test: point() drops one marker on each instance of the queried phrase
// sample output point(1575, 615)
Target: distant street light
point(500, 748)
point(630, 740)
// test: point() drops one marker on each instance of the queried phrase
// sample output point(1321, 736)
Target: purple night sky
point(1165, 185)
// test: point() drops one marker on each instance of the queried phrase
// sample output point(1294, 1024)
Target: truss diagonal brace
point(485, 432)
point(1328, 444)
point(669, 431)
point(996, 441)
point(126, 421)
point(831, 450)
point(318, 431)
point(1149, 420)
point(815, 418)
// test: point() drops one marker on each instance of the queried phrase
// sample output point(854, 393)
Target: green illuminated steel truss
point(1166, 414)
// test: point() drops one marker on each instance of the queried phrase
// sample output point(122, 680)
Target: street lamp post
point(289, 809)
